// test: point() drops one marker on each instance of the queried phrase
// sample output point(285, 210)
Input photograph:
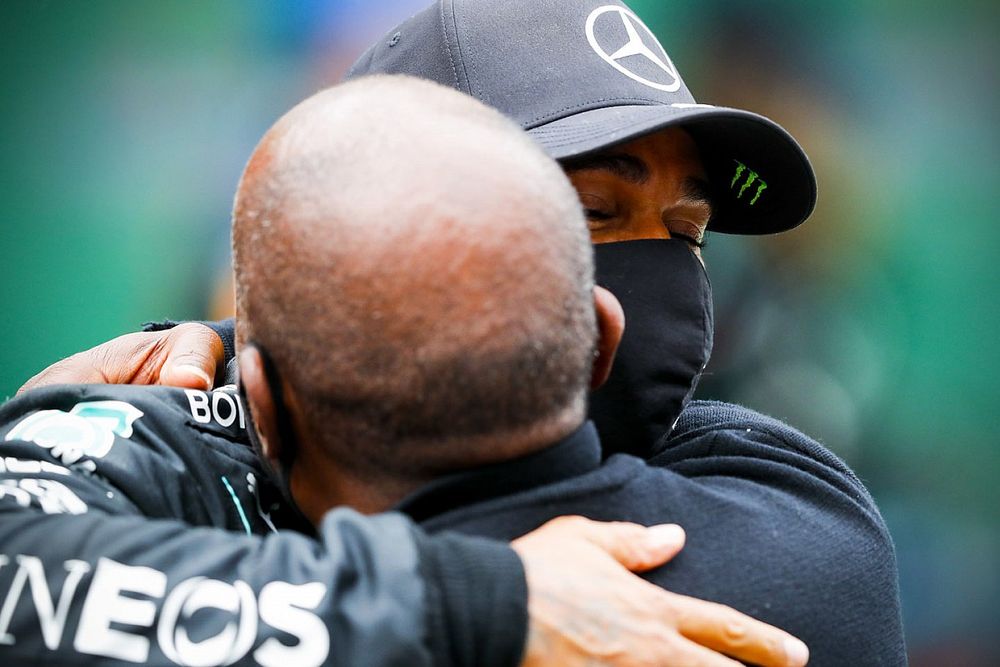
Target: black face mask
point(667, 299)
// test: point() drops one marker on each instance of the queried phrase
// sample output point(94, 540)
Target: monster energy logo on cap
point(752, 177)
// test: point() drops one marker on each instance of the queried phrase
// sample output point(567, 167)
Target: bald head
point(419, 272)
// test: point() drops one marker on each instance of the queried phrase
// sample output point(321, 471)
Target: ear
point(610, 327)
point(261, 403)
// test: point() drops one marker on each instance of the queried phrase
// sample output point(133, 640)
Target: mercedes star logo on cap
point(583, 76)
point(648, 48)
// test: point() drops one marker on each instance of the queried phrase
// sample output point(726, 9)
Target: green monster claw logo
point(752, 177)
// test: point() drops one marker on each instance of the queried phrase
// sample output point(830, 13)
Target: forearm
point(368, 591)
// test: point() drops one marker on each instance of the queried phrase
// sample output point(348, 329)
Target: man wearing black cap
point(654, 169)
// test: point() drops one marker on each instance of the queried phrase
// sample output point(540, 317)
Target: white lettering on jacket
point(16, 466)
point(110, 600)
point(220, 406)
point(105, 605)
point(52, 496)
point(51, 617)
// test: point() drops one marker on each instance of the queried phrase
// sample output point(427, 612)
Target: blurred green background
point(124, 127)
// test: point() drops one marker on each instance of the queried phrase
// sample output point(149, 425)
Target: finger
point(683, 653)
point(122, 360)
point(126, 359)
point(72, 370)
point(726, 630)
point(636, 547)
point(193, 353)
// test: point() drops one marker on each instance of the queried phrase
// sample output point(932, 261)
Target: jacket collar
point(576, 454)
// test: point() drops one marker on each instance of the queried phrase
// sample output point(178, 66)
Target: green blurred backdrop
point(124, 127)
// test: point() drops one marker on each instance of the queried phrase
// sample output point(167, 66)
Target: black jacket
point(136, 526)
point(777, 526)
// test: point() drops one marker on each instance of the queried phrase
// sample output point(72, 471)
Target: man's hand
point(586, 609)
point(184, 356)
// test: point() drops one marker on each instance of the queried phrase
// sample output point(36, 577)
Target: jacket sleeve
point(85, 579)
point(99, 589)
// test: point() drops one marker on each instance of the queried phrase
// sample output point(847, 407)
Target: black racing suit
point(137, 527)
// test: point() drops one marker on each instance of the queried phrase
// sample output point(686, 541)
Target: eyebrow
point(635, 170)
point(627, 167)
point(697, 191)
point(694, 190)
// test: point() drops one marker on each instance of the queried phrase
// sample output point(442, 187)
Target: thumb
point(194, 352)
point(636, 547)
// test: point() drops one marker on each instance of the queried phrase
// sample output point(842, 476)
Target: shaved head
point(420, 274)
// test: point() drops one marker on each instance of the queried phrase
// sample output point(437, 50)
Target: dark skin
point(318, 483)
point(650, 188)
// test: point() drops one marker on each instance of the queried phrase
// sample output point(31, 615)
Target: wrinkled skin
point(586, 610)
point(188, 356)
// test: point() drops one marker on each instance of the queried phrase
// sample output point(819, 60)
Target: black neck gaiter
point(667, 299)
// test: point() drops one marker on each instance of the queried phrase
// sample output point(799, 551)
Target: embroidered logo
point(752, 179)
point(88, 429)
point(640, 42)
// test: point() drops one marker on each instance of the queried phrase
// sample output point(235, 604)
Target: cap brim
point(761, 179)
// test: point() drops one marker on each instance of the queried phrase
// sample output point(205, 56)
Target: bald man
point(435, 270)
point(403, 301)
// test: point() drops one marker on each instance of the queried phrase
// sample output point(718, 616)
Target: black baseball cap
point(586, 75)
